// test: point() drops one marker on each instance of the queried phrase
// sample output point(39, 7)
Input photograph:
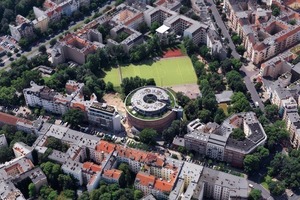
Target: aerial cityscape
point(150, 99)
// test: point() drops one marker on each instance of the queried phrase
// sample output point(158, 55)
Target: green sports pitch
point(166, 72)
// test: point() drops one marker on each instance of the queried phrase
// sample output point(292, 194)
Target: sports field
point(166, 72)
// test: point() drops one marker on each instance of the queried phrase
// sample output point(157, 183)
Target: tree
point(66, 194)
point(6, 154)
point(182, 99)
point(258, 86)
point(235, 81)
point(109, 87)
point(148, 136)
point(169, 133)
point(237, 64)
point(52, 172)
point(154, 26)
point(238, 134)
point(73, 117)
point(9, 54)
point(214, 66)
point(174, 156)
point(226, 65)
point(219, 116)
point(277, 188)
point(204, 50)
point(16, 50)
point(143, 28)
point(255, 194)
point(251, 163)
point(138, 194)
point(128, 175)
point(31, 190)
point(276, 133)
point(275, 10)
point(130, 84)
point(53, 42)
point(272, 112)
point(236, 39)
point(66, 182)
point(239, 103)
point(24, 43)
point(205, 116)
point(7, 95)
point(56, 144)
point(42, 49)
point(240, 49)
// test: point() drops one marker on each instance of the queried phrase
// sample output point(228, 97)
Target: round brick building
point(150, 107)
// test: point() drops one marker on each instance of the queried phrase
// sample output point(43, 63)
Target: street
point(250, 86)
point(34, 49)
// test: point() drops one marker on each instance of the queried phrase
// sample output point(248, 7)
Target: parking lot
point(8, 44)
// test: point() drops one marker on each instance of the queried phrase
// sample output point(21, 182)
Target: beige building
point(263, 35)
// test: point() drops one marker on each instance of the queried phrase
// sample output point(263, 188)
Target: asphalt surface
point(250, 86)
point(34, 49)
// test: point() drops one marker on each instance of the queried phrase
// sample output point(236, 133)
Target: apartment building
point(215, 142)
point(13, 172)
point(179, 24)
point(23, 28)
point(128, 16)
point(74, 48)
point(21, 149)
point(74, 168)
point(263, 35)
point(42, 96)
point(220, 185)
point(104, 116)
point(133, 37)
point(163, 177)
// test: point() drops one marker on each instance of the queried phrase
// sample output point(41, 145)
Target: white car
point(251, 186)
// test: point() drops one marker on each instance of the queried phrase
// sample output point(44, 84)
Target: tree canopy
point(74, 117)
point(148, 136)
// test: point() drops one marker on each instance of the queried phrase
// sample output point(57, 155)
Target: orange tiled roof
point(113, 173)
point(91, 166)
point(163, 185)
point(145, 179)
point(105, 147)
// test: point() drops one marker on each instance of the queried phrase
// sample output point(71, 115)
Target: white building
point(3, 142)
point(74, 168)
point(22, 149)
point(104, 116)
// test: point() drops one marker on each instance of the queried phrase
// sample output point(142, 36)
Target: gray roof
point(238, 187)
point(148, 197)
point(224, 96)
point(58, 156)
point(178, 141)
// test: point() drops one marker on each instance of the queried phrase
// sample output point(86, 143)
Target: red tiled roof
point(105, 147)
point(91, 166)
point(145, 179)
point(113, 173)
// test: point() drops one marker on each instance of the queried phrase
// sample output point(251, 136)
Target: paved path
point(265, 193)
point(34, 49)
point(219, 22)
point(250, 86)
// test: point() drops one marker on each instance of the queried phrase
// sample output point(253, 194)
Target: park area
point(166, 72)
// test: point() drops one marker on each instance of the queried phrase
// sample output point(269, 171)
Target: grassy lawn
point(166, 72)
point(265, 185)
point(224, 106)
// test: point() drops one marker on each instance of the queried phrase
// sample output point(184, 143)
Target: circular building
point(150, 107)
